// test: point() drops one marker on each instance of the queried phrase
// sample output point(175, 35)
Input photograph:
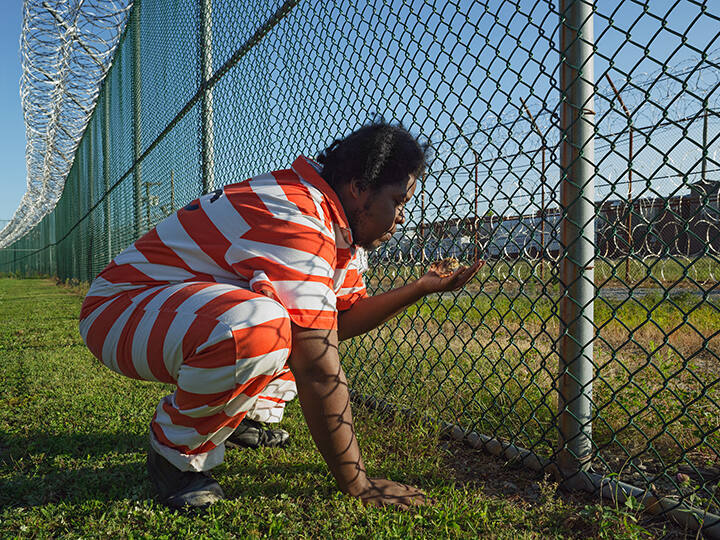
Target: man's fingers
point(472, 270)
point(463, 274)
point(396, 495)
point(458, 277)
point(476, 266)
point(398, 502)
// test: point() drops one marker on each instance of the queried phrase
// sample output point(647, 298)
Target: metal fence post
point(137, 118)
point(89, 254)
point(106, 171)
point(207, 128)
point(577, 235)
point(53, 246)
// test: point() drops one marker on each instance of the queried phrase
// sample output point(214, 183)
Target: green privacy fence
point(576, 152)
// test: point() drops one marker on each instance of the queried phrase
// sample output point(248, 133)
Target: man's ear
point(355, 188)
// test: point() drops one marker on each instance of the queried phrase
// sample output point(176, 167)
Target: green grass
point(73, 437)
point(488, 360)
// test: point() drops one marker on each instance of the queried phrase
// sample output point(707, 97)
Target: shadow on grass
point(44, 468)
point(90, 483)
point(39, 468)
point(72, 445)
point(272, 479)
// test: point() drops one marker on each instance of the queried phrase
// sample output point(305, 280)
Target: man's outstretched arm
point(371, 311)
point(325, 401)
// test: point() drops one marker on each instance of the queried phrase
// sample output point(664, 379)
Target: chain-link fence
point(576, 152)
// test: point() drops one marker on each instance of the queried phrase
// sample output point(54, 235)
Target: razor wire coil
point(66, 50)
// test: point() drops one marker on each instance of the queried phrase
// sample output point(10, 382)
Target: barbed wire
point(67, 48)
point(692, 83)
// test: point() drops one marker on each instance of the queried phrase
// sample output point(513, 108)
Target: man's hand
point(432, 282)
point(371, 311)
point(382, 492)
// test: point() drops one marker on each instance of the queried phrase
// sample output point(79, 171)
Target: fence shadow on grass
point(72, 445)
point(44, 468)
point(91, 483)
point(41, 468)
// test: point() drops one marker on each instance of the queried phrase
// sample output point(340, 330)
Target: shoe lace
point(263, 430)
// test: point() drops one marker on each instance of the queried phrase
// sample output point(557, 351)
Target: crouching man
point(240, 298)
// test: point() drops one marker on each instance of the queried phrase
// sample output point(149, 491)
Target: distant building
point(686, 225)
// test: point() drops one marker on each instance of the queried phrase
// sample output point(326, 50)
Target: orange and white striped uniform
point(205, 301)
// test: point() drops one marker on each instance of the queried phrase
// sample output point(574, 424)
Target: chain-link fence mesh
point(207, 93)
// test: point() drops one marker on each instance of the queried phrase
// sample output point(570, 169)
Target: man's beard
point(355, 221)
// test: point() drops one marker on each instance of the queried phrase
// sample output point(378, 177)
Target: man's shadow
point(43, 468)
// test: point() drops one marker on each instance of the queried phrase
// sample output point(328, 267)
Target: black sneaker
point(253, 434)
point(182, 489)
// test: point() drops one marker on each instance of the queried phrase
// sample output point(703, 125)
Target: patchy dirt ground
point(476, 468)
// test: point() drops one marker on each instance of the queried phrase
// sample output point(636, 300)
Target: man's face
point(375, 215)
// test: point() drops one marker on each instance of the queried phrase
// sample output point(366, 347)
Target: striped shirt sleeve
point(353, 286)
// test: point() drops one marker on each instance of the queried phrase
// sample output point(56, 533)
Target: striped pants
point(225, 348)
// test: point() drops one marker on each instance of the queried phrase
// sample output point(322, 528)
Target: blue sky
point(477, 97)
point(12, 134)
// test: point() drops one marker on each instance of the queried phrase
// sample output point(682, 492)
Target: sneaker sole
point(197, 500)
point(233, 445)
